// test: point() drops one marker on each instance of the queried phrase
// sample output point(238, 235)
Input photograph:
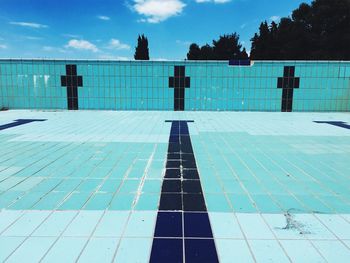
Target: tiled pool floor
point(86, 186)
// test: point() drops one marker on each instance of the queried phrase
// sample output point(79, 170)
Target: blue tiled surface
point(136, 85)
point(87, 185)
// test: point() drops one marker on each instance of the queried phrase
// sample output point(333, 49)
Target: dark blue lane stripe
point(183, 227)
point(340, 124)
point(18, 123)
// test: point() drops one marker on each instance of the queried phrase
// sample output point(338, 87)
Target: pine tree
point(141, 50)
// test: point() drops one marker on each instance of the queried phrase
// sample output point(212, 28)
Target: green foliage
point(142, 51)
point(320, 31)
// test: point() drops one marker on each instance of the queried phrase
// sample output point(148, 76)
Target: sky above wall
point(108, 29)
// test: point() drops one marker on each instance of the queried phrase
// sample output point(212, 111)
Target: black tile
point(189, 164)
point(169, 224)
point(173, 156)
point(172, 173)
point(193, 202)
point(171, 186)
point(197, 225)
point(170, 202)
point(201, 250)
point(173, 147)
point(173, 164)
point(190, 174)
point(188, 157)
point(191, 186)
point(166, 250)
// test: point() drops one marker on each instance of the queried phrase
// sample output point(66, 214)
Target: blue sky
point(108, 29)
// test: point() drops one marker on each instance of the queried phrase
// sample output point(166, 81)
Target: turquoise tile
point(7, 198)
point(32, 250)
point(129, 186)
point(141, 224)
point(148, 202)
point(217, 203)
point(265, 204)
point(242, 204)
point(27, 201)
point(50, 201)
point(152, 186)
point(99, 201)
point(75, 201)
point(66, 249)
point(89, 185)
point(99, 250)
point(112, 224)
point(122, 202)
point(125, 254)
point(110, 186)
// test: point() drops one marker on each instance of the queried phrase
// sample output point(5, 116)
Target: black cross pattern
point(179, 82)
point(72, 81)
point(288, 83)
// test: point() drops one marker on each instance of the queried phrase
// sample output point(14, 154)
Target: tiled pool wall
point(168, 85)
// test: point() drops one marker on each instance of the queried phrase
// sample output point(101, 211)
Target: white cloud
point(213, 1)
point(2, 46)
point(81, 45)
point(71, 36)
point(116, 44)
point(105, 18)
point(275, 18)
point(29, 24)
point(156, 11)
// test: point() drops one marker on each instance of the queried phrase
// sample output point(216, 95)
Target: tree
point(317, 31)
point(141, 50)
point(194, 53)
point(225, 48)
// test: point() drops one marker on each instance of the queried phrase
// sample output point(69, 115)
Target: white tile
point(336, 224)
point(112, 224)
point(333, 251)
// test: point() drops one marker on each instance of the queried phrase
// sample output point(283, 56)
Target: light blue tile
point(217, 203)
point(8, 245)
point(27, 223)
point(66, 249)
point(122, 202)
point(83, 224)
point(141, 224)
point(301, 251)
point(254, 227)
point(267, 251)
point(75, 201)
point(99, 250)
point(7, 217)
point(32, 250)
point(55, 224)
point(229, 250)
point(333, 251)
point(126, 253)
point(112, 224)
point(225, 225)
